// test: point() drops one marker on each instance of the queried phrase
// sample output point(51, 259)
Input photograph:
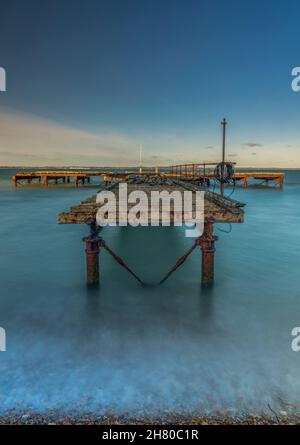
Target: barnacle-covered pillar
point(92, 250)
point(207, 243)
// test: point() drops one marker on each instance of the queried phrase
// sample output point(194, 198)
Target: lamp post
point(223, 123)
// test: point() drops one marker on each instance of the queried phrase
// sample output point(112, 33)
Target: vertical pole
point(92, 250)
point(46, 181)
point(92, 261)
point(223, 123)
point(141, 154)
point(207, 244)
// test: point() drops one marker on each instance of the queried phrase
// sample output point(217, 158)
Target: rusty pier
point(217, 209)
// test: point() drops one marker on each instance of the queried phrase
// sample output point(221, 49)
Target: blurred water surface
point(129, 348)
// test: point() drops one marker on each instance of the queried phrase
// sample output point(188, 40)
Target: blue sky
point(88, 81)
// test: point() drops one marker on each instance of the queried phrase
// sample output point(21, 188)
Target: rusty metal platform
point(216, 208)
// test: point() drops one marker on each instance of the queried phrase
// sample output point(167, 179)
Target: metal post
point(92, 261)
point(207, 244)
point(223, 123)
point(141, 163)
point(92, 255)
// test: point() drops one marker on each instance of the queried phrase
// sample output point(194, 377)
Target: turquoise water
point(127, 348)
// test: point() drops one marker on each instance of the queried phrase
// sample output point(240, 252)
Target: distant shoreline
point(10, 167)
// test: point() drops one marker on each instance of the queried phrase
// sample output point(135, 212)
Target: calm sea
point(127, 348)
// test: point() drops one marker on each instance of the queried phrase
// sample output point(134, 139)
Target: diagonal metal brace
point(179, 262)
point(119, 260)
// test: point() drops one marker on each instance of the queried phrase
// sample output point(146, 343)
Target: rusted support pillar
point(281, 181)
point(207, 243)
point(92, 243)
point(46, 181)
point(68, 179)
point(92, 260)
point(76, 181)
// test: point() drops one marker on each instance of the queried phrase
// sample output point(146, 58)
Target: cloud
point(27, 140)
point(233, 155)
point(7, 156)
point(30, 140)
point(252, 144)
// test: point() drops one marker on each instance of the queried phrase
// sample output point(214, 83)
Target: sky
point(88, 81)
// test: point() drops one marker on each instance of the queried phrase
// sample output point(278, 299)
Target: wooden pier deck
point(217, 209)
point(186, 172)
point(56, 177)
point(264, 177)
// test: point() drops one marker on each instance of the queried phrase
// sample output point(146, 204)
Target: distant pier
point(186, 172)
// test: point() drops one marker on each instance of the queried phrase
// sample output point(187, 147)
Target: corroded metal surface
point(216, 208)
